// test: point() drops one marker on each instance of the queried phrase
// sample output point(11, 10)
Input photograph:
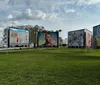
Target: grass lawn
point(52, 66)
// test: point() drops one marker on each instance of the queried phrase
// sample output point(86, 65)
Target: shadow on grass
point(57, 54)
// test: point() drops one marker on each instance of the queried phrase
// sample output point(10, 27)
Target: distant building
point(65, 42)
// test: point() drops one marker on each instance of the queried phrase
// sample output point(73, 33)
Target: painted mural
point(76, 38)
point(18, 37)
point(96, 36)
point(88, 38)
point(47, 39)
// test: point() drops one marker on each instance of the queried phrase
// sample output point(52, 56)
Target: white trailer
point(79, 38)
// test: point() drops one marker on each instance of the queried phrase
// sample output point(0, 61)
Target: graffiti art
point(76, 38)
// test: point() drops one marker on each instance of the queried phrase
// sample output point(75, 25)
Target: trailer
point(96, 36)
point(79, 38)
point(48, 39)
point(17, 37)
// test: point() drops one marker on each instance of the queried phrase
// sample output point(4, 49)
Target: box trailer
point(96, 36)
point(79, 38)
point(48, 39)
point(18, 37)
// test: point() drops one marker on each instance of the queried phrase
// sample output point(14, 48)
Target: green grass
point(54, 66)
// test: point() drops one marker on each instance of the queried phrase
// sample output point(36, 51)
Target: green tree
point(33, 33)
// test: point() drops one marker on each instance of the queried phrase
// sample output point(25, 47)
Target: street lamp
point(59, 31)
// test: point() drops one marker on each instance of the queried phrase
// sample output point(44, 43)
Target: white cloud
point(1, 29)
point(10, 16)
point(64, 3)
point(87, 2)
point(79, 13)
point(70, 11)
point(94, 1)
point(28, 14)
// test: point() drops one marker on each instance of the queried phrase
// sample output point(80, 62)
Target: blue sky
point(52, 14)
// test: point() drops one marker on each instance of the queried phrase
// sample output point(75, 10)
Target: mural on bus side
point(96, 36)
point(18, 37)
point(47, 39)
point(76, 38)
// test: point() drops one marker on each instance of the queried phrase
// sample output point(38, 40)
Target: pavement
point(12, 48)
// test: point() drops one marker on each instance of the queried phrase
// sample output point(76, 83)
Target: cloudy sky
point(52, 14)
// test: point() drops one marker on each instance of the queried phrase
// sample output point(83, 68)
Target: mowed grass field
point(52, 66)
